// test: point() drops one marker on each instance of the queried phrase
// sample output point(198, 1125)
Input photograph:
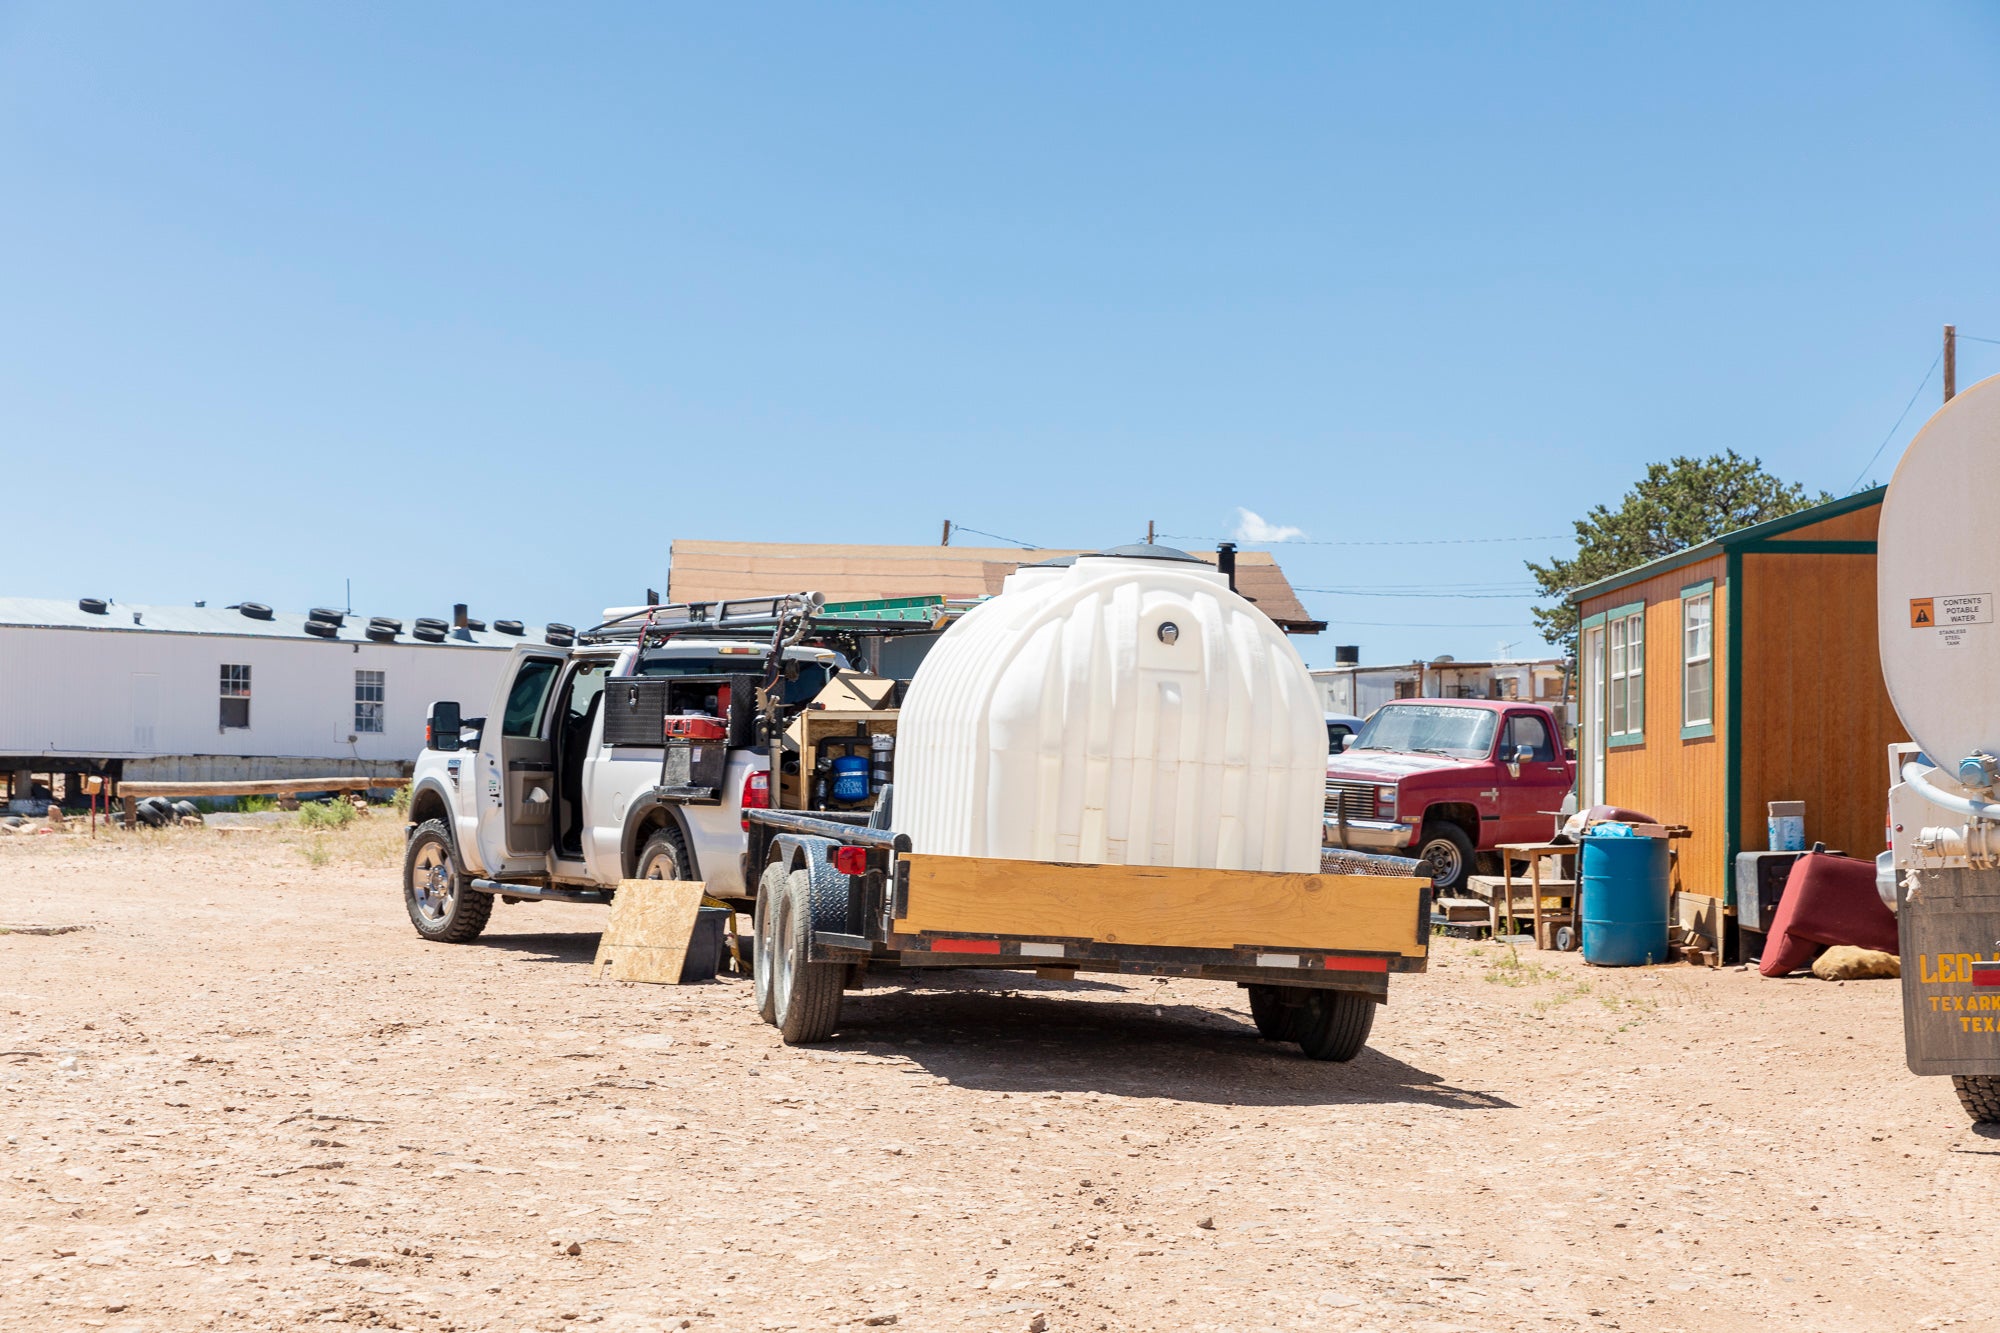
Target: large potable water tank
point(1937, 580)
point(1123, 708)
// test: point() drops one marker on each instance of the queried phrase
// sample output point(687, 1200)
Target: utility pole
point(1149, 532)
point(1950, 361)
point(947, 533)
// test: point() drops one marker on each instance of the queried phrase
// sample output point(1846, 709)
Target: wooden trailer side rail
point(1166, 907)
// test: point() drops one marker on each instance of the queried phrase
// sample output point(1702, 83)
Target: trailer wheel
point(770, 888)
point(806, 995)
point(1979, 1094)
point(1334, 1024)
point(440, 906)
point(1274, 1018)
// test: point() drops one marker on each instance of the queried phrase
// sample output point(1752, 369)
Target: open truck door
point(517, 771)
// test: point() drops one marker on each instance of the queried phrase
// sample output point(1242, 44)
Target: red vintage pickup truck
point(1446, 779)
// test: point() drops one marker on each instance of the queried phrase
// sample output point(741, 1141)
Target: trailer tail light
point(756, 794)
point(851, 860)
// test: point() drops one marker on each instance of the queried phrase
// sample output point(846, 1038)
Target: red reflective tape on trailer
point(1356, 964)
point(965, 946)
point(1986, 974)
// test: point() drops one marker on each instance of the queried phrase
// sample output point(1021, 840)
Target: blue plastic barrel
point(1625, 901)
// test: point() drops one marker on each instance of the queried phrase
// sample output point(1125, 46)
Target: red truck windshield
point(1462, 733)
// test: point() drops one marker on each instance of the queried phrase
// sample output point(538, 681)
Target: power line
point(1356, 592)
point(956, 526)
point(1439, 624)
point(1899, 420)
point(1975, 338)
point(1432, 541)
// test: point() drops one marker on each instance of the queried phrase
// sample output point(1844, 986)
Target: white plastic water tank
point(1937, 580)
point(1126, 708)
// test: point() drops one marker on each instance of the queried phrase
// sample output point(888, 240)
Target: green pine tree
point(1678, 504)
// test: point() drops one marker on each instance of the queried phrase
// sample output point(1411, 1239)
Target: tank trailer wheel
point(1273, 1017)
point(440, 906)
point(770, 888)
point(1979, 1094)
point(806, 994)
point(1334, 1024)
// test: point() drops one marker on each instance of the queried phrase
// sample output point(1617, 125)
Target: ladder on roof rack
point(881, 615)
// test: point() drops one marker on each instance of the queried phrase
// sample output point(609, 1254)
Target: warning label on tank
point(1951, 617)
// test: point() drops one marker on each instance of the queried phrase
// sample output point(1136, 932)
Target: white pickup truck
point(561, 790)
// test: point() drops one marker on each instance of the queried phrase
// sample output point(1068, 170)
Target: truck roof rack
point(755, 615)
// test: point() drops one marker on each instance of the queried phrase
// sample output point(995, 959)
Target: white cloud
point(1252, 527)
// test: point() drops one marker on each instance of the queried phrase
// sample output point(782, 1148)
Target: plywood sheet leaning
point(652, 923)
point(1166, 906)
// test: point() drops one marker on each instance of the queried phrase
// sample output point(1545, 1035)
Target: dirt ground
point(246, 1095)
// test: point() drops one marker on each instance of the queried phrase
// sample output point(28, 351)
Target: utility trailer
point(840, 894)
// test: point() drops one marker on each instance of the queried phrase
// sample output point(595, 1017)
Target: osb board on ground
point(652, 923)
point(1166, 906)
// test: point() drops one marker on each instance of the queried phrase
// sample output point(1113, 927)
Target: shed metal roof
point(1728, 541)
point(138, 618)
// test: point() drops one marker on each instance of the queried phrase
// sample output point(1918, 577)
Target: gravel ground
point(246, 1095)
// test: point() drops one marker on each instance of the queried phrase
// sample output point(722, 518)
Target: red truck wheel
point(1449, 852)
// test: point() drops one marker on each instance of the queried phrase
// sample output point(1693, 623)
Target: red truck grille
point(1350, 800)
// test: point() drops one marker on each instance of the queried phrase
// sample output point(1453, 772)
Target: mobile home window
point(1698, 660)
point(235, 696)
point(368, 689)
point(1625, 634)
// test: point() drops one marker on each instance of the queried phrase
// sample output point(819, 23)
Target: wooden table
point(1534, 852)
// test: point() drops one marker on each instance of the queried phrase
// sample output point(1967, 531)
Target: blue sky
point(486, 303)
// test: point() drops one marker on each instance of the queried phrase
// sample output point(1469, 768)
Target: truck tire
point(1450, 853)
point(770, 888)
point(1273, 1017)
point(1334, 1024)
point(805, 994)
point(663, 856)
point(1979, 1094)
point(441, 907)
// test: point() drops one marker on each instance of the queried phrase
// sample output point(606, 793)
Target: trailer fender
point(828, 893)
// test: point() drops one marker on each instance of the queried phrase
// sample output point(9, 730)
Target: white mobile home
point(225, 693)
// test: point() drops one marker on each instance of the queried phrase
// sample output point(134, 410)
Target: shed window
point(1626, 634)
point(368, 690)
point(235, 697)
point(1698, 659)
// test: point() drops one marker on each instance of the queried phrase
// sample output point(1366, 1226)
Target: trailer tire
point(770, 888)
point(805, 994)
point(1979, 1094)
point(441, 906)
point(1274, 1018)
point(1333, 1024)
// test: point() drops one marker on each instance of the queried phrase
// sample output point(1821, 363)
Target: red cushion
point(1828, 900)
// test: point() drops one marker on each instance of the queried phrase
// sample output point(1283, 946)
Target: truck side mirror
point(442, 726)
point(1522, 754)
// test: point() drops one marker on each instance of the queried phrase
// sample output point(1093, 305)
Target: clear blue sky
point(487, 303)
